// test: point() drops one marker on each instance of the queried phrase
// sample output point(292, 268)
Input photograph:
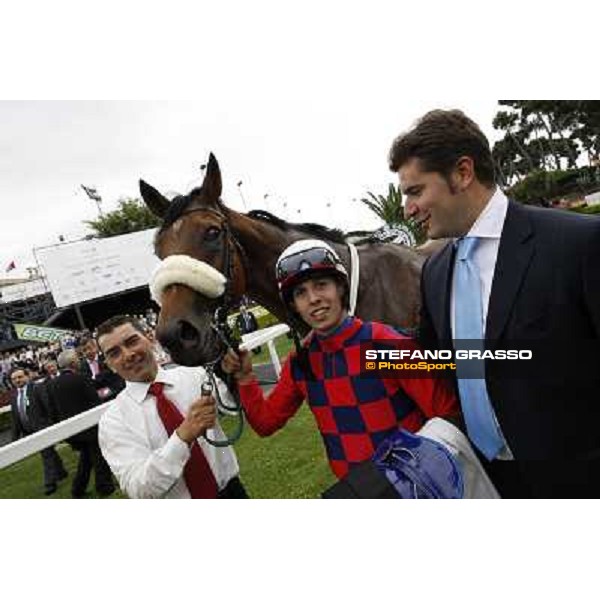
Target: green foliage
point(390, 210)
point(544, 135)
point(587, 210)
point(132, 215)
point(540, 185)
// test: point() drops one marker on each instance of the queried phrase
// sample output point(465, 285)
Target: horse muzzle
point(188, 344)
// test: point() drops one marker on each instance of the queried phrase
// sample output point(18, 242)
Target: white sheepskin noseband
point(183, 269)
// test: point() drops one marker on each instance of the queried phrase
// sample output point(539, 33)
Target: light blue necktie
point(468, 325)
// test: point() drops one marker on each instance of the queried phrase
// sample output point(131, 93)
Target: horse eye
point(211, 234)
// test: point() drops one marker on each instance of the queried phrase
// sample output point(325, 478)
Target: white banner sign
point(81, 271)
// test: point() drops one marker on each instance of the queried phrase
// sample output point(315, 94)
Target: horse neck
point(262, 244)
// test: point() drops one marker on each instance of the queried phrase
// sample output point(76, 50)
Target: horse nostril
point(188, 334)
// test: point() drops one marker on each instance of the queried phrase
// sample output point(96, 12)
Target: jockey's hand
point(239, 364)
point(201, 416)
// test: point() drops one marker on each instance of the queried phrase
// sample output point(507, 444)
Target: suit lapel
point(440, 276)
point(515, 252)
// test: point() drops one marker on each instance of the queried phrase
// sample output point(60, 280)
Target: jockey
point(353, 413)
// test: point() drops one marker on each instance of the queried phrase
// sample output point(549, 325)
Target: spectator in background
point(70, 394)
point(50, 368)
point(246, 322)
point(92, 366)
point(28, 416)
point(5, 368)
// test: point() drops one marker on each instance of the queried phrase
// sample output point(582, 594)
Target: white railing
point(266, 336)
point(49, 436)
point(16, 451)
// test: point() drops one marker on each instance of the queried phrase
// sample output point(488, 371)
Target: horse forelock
point(175, 210)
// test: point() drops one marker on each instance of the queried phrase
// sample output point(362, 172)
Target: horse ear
point(154, 200)
point(212, 185)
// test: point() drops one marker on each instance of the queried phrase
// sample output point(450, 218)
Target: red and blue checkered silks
point(354, 414)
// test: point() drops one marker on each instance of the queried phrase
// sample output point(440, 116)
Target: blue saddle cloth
point(418, 467)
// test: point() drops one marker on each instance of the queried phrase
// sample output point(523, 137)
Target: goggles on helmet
point(291, 268)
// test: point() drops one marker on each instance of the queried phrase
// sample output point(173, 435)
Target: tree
point(132, 215)
point(543, 141)
point(388, 208)
point(391, 211)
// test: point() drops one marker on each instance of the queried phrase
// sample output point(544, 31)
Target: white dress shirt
point(146, 461)
point(94, 367)
point(488, 228)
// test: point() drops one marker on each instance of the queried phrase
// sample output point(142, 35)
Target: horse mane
point(312, 229)
point(180, 203)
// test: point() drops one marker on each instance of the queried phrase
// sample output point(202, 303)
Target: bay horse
point(245, 247)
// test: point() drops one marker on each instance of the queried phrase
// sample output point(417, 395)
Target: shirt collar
point(138, 390)
point(490, 221)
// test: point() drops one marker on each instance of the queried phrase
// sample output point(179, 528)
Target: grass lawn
point(25, 479)
point(283, 345)
point(289, 464)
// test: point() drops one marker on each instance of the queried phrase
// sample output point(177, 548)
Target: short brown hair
point(116, 321)
point(439, 139)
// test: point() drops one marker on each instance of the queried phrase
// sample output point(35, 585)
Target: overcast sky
point(299, 101)
point(307, 153)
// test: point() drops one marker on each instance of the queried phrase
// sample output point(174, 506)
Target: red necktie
point(197, 473)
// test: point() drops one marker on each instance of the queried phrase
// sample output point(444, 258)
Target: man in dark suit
point(92, 366)
point(70, 394)
point(514, 275)
point(247, 323)
point(29, 414)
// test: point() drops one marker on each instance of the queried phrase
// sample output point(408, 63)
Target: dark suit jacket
point(105, 378)
point(545, 289)
point(70, 394)
point(36, 411)
point(248, 324)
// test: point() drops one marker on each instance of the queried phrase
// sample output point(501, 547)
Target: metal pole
point(242, 195)
point(79, 316)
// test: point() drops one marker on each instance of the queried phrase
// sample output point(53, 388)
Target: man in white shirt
point(151, 435)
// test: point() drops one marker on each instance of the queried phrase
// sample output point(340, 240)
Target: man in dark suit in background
point(513, 274)
point(247, 323)
point(29, 414)
point(70, 394)
point(92, 366)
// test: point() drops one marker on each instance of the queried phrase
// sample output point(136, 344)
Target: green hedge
point(546, 185)
point(588, 210)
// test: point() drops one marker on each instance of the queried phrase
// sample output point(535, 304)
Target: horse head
point(201, 270)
